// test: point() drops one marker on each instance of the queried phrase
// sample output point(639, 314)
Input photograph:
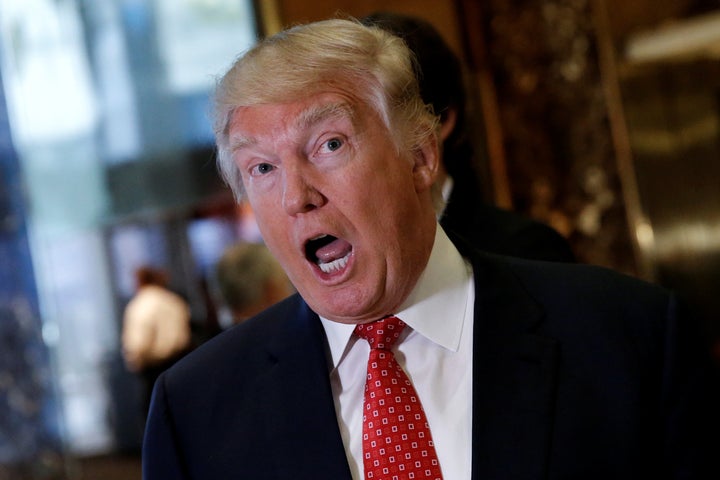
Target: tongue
point(338, 248)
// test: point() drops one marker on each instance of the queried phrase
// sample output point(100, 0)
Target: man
point(249, 280)
point(467, 216)
point(515, 369)
point(156, 328)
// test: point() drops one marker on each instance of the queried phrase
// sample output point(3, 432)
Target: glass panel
point(30, 425)
point(108, 104)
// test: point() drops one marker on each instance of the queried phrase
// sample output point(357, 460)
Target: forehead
point(249, 123)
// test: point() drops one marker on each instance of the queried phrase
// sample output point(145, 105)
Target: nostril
point(299, 196)
point(298, 207)
point(302, 201)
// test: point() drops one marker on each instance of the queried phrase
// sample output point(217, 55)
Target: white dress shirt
point(156, 326)
point(435, 351)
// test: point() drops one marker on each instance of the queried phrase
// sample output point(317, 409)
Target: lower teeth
point(335, 265)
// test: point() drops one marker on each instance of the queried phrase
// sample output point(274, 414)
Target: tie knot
point(381, 334)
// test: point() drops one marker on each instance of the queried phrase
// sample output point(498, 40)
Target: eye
point(262, 169)
point(333, 144)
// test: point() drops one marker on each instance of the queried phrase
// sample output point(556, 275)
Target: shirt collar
point(447, 189)
point(436, 306)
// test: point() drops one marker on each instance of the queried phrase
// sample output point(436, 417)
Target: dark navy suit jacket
point(471, 222)
point(579, 373)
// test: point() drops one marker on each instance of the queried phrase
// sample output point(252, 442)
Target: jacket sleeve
point(161, 457)
point(691, 398)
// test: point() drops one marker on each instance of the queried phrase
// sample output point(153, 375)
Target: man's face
point(348, 216)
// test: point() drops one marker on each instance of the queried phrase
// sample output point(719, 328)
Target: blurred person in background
point(467, 215)
point(156, 328)
point(249, 280)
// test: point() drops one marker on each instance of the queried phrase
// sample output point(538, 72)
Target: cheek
point(271, 229)
point(264, 205)
point(267, 221)
point(259, 190)
point(280, 249)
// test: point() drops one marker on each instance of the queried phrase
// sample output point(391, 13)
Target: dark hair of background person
point(469, 218)
point(147, 275)
point(441, 86)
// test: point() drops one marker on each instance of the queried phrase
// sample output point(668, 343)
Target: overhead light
point(694, 37)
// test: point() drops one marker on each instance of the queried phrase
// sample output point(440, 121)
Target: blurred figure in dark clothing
point(467, 215)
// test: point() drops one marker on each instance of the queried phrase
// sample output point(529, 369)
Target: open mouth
point(329, 253)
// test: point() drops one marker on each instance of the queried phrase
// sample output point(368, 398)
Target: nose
point(300, 194)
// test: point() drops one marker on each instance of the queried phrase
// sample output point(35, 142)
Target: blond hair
point(340, 54)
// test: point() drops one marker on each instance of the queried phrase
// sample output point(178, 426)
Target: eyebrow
point(319, 113)
point(238, 143)
point(306, 119)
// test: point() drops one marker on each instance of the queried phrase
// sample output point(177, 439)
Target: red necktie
point(396, 437)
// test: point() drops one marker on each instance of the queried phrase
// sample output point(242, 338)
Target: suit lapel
point(513, 388)
point(514, 379)
point(304, 426)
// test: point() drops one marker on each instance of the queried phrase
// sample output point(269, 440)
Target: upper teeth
point(335, 265)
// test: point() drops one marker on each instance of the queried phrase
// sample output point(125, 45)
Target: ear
point(448, 123)
point(426, 163)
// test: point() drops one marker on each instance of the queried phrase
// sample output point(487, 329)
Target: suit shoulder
point(582, 288)
point(245, 344)
point(505, 232)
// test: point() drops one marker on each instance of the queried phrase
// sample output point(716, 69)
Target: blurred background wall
point(598, 117)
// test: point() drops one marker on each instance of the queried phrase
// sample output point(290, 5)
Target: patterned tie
point(396, 437)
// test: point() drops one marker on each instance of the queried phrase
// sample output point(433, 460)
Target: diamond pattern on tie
point(396, 437)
